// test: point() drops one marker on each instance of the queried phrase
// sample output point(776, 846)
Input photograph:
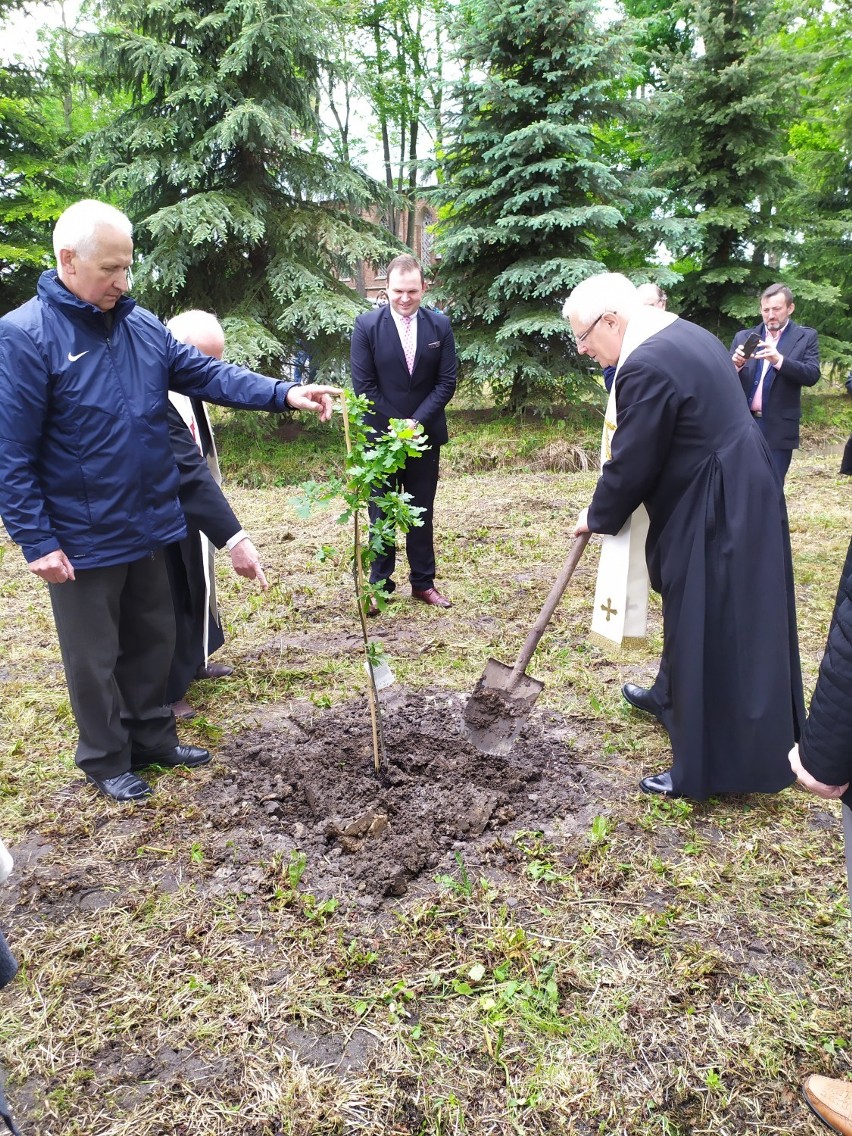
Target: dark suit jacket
point(782, 390)
point(379, 370)
point(205, 505)
point(207, 511)
point(826, 743)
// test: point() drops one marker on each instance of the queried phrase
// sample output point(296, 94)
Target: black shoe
point(180, 755)
point(641, 698)
point(214, 670)
point(661, 783)
point(124, 787)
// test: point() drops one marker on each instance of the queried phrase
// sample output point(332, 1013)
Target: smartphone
point(750, 344)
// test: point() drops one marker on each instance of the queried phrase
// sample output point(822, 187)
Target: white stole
point(183, 405)
point(620, 614)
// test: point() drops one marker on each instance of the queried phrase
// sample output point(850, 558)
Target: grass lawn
point(629, 966)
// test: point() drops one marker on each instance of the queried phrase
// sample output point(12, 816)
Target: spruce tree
point(46, 106)
point(821, 200)
point(221, 165)
point(719, 135)
point(532, 200)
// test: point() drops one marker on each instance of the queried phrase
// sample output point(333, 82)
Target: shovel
point(504, 696)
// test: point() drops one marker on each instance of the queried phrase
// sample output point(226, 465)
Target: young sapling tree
point(370, 464)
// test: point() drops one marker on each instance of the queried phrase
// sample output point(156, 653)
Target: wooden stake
point(372, 693)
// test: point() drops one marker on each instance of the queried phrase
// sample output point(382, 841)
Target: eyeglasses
point(582, 337)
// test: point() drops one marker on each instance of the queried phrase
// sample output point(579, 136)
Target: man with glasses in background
point(729, 691)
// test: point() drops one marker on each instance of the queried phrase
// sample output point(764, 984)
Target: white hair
point(606, 292)
point(78, 226)
point(187, 326)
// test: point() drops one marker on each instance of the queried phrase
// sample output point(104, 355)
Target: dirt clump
point(311, 789)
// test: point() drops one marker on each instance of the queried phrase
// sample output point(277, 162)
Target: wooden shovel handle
point(539, 627)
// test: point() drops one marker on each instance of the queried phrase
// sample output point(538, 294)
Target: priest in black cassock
point(718, 548)
point(211, 523)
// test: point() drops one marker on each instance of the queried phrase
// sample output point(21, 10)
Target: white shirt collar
point(776, 335)
point(398, 319)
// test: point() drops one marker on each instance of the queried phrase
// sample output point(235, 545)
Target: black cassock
point(207, 511)
point(718, 551)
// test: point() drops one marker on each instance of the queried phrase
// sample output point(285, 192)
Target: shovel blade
point(497, 708)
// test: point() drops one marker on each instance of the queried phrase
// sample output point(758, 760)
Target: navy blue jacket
point(782, 390)
point(379, 370)
point(85, 460)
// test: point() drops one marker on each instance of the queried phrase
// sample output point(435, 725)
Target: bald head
point(199, 329)
point(652, 295)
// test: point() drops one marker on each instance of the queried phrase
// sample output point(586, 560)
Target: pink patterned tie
point(408, 342)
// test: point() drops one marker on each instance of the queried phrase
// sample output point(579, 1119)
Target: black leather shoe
point(124, 787)
point(214, 670)
point(641, 698)
point(180, 755)
point(660, 783)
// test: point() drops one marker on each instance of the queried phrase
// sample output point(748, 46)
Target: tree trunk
point(412, 183)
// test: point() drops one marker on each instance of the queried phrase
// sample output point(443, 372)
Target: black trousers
point(781, 461)
point(6, 1116)
point(116, 633)
point(419, 477)
point(780, 458)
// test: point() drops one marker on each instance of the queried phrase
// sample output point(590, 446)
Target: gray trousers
point(116, 633)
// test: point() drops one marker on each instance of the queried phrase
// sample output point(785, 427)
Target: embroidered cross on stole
point(620, 615)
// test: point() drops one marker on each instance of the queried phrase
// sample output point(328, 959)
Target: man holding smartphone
point(775, 360)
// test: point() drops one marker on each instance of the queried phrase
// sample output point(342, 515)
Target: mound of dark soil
point(306, 783)
point(295, 803)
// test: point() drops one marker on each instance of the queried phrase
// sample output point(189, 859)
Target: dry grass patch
point(636, 967)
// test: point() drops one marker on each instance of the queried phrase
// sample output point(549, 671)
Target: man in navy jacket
point(786, 359)
point(89, 485)
point(403, 359)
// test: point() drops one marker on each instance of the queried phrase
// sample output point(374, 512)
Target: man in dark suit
point(211, 524)
point(785, 360)
point(404, 360)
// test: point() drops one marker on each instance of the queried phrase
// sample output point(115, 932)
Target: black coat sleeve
point(203, 502)
point(647, 417)
point(825, 747)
